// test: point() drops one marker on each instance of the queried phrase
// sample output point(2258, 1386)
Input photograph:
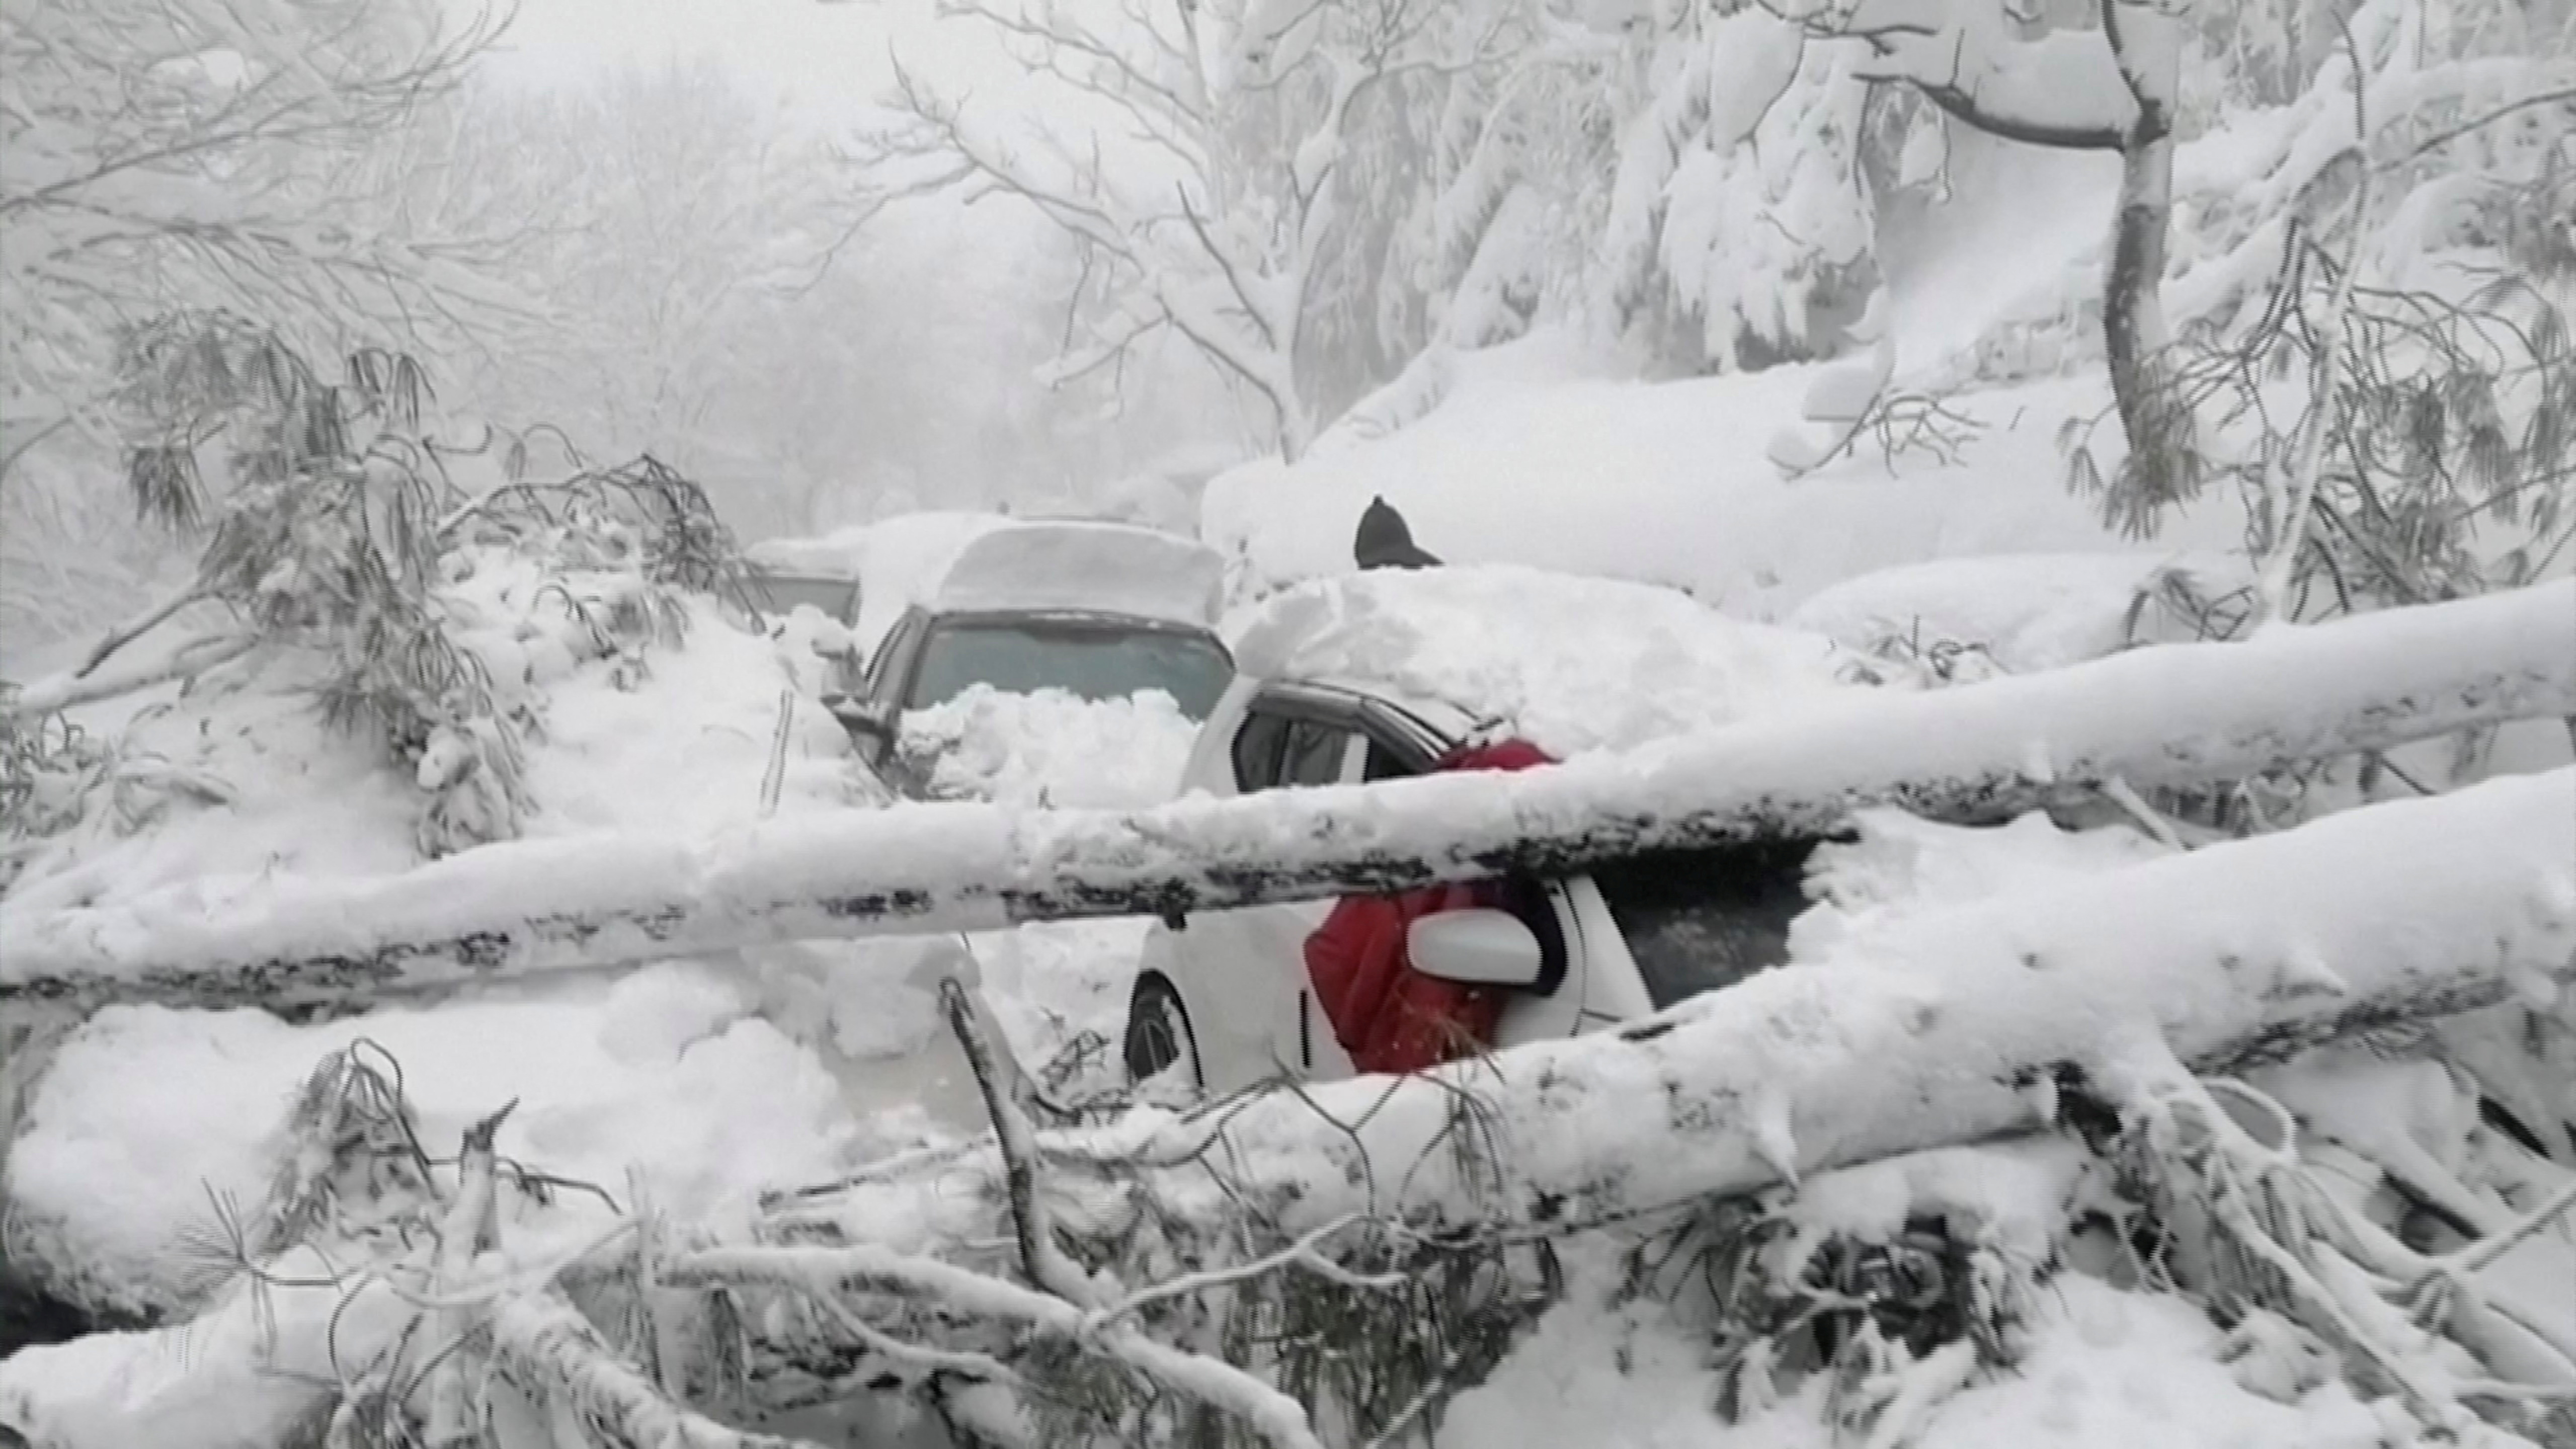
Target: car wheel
point(1159, 1038)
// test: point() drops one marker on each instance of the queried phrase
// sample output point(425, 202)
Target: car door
point(1251, 1007)
point(1396, 748)
point(889, 676)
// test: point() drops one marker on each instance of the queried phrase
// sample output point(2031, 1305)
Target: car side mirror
point(1478, 947)
point(864, 721)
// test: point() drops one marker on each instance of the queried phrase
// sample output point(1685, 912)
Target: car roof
point(1084, 566)
point(1074, 616)
point(1571, 664)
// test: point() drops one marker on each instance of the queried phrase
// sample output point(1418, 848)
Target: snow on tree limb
point(2062, 89)
point(67, 691)
point(2238, 954)
point(2175, 715)
point(543, 1345)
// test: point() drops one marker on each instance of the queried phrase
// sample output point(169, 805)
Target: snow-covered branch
point(1980, 1021)
point(2062, 89)
point(542, 1345)
point(2174, 715)
point(2112, 87)
point(67, 691)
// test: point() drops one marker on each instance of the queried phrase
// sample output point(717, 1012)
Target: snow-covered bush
point(343, 554)
point(1740, 229)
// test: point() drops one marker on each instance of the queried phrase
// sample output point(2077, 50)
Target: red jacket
point(1388, 1016)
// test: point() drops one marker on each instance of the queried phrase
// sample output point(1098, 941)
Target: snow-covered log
point(2174, 715)
point(1983, 1019)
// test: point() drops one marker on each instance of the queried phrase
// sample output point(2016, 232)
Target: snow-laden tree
point(1505, 171)
point(699, 286)
point(2335, 274)
point(189, 154)
point(1741, 228)
point(192, 155)
point(661, 219)
point(1200, 154)
point(2375, 343)
point(331, 537)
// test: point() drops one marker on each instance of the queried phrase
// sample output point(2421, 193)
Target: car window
point(1314, 754)
point(1384, 763)
point(887, 648)
point(1699, 920)
point(1095, 661)
point(785, 593)
point(1273, 748)
point(1257, 746)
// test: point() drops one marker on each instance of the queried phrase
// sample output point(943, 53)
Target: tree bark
point(2176, 715)
point(2162, 466)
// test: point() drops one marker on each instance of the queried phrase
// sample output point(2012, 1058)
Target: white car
point(1376, 677)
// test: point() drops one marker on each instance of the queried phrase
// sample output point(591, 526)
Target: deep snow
point(801, 1060)
point(1573, 665)
point(1536, 458)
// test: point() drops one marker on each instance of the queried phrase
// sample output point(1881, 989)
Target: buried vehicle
point(779, 592)
point(783, 575)
point(1391, 674)
point(1096, 611)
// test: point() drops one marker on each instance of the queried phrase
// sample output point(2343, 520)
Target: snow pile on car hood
point(1051, 747)
point(1570, 664)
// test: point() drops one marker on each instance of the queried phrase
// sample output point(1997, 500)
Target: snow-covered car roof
point(809, 557)
point(1570, 664)
point(898, 560)
point(1112, 568)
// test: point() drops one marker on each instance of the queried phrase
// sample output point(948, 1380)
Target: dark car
point(1100, 611)
point(777, 593)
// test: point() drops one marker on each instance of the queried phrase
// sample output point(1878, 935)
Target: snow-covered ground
point(1536, 458)
point(722, 1077)
point(2106, 1368)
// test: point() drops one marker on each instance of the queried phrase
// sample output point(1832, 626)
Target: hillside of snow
point(1536, 459)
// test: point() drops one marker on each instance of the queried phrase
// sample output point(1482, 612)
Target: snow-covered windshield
point(1699, 920)
point(786, 593)
point(1087, 659)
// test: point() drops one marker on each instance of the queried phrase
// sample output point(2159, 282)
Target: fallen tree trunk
point(2177, 715)
point(1970, 1023)
point(1974, 1024)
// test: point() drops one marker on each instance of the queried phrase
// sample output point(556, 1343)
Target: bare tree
point(200, 157)
point(2111, 88)
point(1197, 154)
point(185, 155)
point(2383, 141)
